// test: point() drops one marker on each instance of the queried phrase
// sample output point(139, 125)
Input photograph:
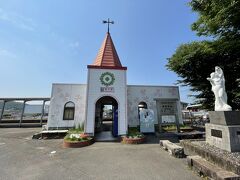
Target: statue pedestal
point(223, 131)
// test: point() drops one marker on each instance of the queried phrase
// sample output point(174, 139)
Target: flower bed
point(76, 140)
point(135, 140)
point(133, 137)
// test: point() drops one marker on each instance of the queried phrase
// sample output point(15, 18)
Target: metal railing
point(24, 100)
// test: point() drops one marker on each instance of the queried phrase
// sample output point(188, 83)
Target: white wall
point(147, 94)
point(94, 93)
point(61, 94)
point(127, 98)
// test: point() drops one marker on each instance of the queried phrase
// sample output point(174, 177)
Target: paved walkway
point(24, 158)
point(105, 136)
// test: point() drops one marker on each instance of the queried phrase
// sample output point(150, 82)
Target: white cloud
point(6, 53)
point(75, 44)
point(17, 20)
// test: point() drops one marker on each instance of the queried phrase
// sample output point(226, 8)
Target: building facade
point(106, 102)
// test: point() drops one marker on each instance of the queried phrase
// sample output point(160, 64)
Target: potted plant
point(76, 138)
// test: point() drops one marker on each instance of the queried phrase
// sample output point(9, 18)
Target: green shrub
point(78, 129)
point(133, 132)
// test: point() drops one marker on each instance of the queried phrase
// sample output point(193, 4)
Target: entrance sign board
point(107, 89)
point(147, 121)
point(167, 108)
point(169, 119)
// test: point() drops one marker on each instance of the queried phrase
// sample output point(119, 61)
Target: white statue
point(217, 81)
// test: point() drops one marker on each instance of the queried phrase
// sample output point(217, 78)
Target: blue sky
point(45, 42)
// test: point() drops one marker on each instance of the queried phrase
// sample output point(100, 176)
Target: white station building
point(107, 103)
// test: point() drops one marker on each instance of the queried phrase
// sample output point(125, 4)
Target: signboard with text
point(107, 89)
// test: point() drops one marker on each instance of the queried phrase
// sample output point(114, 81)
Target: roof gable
point(107, 56)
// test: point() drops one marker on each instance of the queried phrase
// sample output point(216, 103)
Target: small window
point(69, 109)
point(141, 105)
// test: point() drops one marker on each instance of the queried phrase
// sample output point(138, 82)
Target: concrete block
point(225, 160)
point(173, 149)
point(223, 137)
point(207, 169)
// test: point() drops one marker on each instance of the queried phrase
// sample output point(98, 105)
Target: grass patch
point(78, 129)
point(173, 127)
point(75, 131)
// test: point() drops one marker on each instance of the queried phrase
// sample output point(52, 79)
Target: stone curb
point(173, 149)
point(218, 159)
point(207, 169)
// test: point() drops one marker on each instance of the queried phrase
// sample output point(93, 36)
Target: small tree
point(193, 62)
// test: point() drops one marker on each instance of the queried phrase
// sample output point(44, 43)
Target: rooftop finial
point(108, 22)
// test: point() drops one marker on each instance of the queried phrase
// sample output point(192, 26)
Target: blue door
point(115, 122)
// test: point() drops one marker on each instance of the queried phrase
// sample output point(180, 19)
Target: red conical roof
point(107, 57)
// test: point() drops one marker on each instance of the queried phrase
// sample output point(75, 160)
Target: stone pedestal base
point(227, 118)
point(224, 137)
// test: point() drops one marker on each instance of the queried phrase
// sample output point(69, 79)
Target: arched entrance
point(141, 105)
point(106, 115)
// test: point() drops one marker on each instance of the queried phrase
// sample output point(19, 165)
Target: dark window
point(69, 109)
point(141, 105)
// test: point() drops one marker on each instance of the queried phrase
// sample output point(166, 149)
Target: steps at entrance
point(105, 136)
point(107, 126)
